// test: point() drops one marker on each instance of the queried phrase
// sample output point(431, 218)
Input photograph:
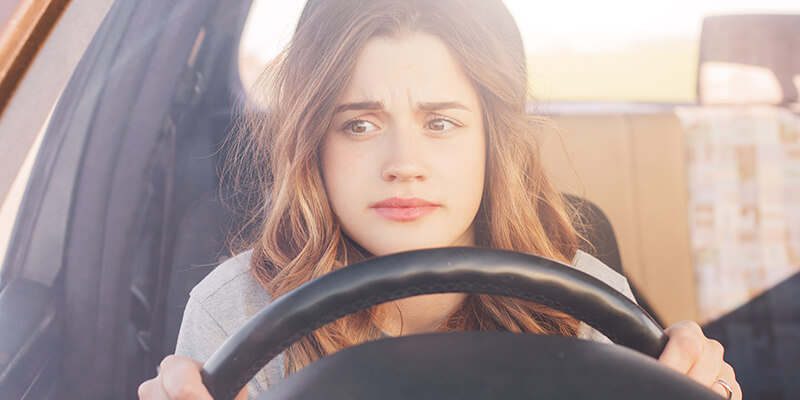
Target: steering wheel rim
point(459, 269)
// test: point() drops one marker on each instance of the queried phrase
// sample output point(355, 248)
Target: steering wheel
point(475, 365)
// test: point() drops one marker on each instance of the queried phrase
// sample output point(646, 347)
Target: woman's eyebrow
point(424, 106)
point(363, 105)
point(441, 105)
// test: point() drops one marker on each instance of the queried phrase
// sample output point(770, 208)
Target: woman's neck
point(419, 314)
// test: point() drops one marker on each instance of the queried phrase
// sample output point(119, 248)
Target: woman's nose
point(407, 172)
point(405, 157)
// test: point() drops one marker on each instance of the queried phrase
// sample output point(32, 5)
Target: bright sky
point(556, 26)
point(598, 26)
point(573, 42)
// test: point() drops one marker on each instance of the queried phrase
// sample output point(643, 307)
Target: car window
point(578, 51)
point(26, 112)
point(13, 198)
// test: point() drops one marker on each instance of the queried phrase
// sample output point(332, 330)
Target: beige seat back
point(632, 167)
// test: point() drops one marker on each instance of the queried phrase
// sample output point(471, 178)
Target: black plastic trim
point(28, 338)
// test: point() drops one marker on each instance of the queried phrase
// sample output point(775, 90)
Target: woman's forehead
point(417, 66)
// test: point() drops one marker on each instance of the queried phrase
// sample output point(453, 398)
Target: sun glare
point(578, 50)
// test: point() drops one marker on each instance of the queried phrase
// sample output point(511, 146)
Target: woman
point(396, 125)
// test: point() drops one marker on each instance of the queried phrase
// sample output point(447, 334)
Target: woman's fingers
point(707, 366)
point(683, 348)
point(182, 380)
point(152, 390)
point(178, 379)
point(242, 394)
point(691, 353)
point(728, 376)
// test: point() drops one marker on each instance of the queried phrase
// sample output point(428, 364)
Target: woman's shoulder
point(590, 265)
point(218, 306)
point(231, 290)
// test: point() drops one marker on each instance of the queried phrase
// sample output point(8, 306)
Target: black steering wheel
point(474, 365)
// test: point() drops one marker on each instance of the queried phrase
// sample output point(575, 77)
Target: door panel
point(29, 340)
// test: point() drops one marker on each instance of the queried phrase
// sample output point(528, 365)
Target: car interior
point(126, 211)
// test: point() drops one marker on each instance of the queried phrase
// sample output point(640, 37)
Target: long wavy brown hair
point(276, 160)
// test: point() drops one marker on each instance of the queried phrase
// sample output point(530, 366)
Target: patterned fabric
point(743, 166)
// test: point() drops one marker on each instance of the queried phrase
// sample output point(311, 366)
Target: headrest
point(750, 59)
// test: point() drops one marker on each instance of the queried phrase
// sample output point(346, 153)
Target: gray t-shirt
point(225, 299)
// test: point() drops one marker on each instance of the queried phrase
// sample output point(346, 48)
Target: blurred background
point(616, 50)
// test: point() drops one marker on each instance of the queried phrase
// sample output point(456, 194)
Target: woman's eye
point(440, 125)
point(359, 127)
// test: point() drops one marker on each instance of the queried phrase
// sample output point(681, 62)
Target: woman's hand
point(691, 353)
point(179, 379)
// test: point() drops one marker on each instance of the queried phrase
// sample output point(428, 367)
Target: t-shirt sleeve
point(200, 334)
point(594, 267)
point(205, 326)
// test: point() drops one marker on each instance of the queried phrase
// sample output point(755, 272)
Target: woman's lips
point(398, 209)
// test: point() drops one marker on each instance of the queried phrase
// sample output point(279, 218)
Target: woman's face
point(404, 157)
